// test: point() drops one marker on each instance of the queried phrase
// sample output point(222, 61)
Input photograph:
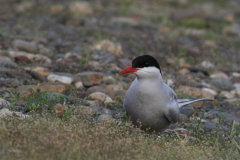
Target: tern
point(150, 103)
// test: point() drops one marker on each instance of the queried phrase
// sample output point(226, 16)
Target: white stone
point(63, 79)
point(211, 91)
point(206, 64)
point(237, 86)
point(219, 75)
point(102, 97)
point(170, 82)
point(79, 84)
point(236, 74)
point(228, 94)
point(3, 102)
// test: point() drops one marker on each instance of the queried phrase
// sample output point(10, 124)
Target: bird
point(149, 102)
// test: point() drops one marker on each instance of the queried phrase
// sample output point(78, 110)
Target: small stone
point(59, 109)
point(234, 101)
point(37, 76)
point(236, 74)
point(80, 8)
point(183, 64)
point(125, 20)
point(210, 125)
point(78, 85)
point(209, 44)
point(63, 79)
point(188, 111)
point(41, 70)
point(219, 75)
point(22, 59)
point(170, 82)
point(26, 91)
point(124, 63)
point(114, 87)
point(114, 48)
point(207, 65)
point(25, 46)
point(95, 64)
point(195, 32)
point(233, 29)
point(117, 95)
point(106, 111)
point(183, 71)
point(228, 95)
point(101, 97)
point(89, 78)
point(223, 84)
point(8, 64)
point(104, 117)
point(183, 118)
point(83, 110)
point(5, 112)
point(171, 61)
point(196, 92)
point(37, 58)
point(54, 88)
point(3, 102)
point(5, 58)
point(95, 89)
point(211, 91)
point(197, 104)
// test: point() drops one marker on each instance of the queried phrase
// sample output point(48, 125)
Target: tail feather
point(184, 102)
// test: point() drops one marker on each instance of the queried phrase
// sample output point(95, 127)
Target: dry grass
point(80, 138)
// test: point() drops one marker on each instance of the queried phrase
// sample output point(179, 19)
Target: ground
point(61, 96)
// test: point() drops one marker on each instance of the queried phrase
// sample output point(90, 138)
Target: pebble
point(196, 92)
point(101, 97)
point(124, 63)
point(114, 87)
point(223, 84)
point(114, 48)
point(22, 45)
point(41, 70)
point(187, 111)
point(83, 110)
point(54, 88)
point(104, 117)
point(5, 113)
point(8, 64)
point(228, 95)
point(37, 76)
point(219, 75)
point(233, 29)
point(79, 85)
point(63, 79)
point(207, 64)
point(36, 58)
point(59, 109)
point(26, 91)
point(183, 71)
point(93, 89)
point(4, 103)
point(89, 78)
point(183, 118)
point(80, 8)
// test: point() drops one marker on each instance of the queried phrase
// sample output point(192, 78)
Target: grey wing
point(173, 111)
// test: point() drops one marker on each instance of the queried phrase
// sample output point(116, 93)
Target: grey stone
point(188, 111)
point(223, 84)
point(104, 117)
point(25, 46)
point(37, 76)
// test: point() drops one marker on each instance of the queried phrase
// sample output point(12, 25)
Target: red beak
point(128, 70)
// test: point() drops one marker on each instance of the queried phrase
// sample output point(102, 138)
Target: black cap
point(145, 61)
